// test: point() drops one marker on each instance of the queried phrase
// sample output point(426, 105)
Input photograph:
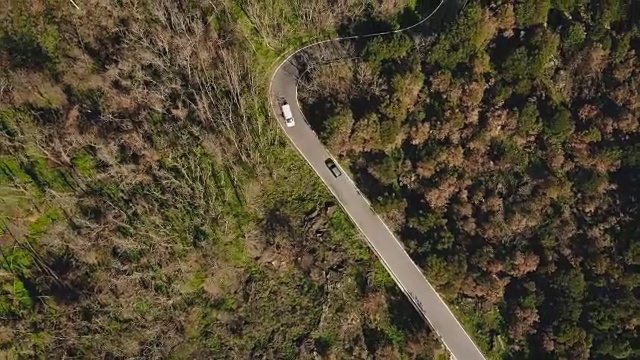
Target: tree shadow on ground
point(371, 186)
point(276, 223)
point(25, 52)
point(403, 314)
point(374, 338)
point(317, 112)
point(367, 24)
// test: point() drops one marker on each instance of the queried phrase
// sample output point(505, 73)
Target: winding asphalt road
point(379, 237)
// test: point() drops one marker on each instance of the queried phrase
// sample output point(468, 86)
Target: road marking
point(384, 263)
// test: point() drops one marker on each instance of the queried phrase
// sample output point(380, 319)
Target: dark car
point(335, 170)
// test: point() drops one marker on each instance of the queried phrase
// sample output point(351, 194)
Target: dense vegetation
point(506, 152)
point(149, 207)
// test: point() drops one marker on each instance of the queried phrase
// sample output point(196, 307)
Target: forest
point(151, 209)
point(505, 152)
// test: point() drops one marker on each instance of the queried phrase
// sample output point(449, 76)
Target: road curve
point(380, 238)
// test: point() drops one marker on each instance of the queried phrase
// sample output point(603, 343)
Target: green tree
point(546, 48)
point(517, 71)
point(382, 49)
point(529, 120)
point(386, 170)
point(575, 37)
point(467, 37)
point(568, 6)
point(366, 132)
point(560, 126)
point(611, 11)
point(532, 12)
point(336, 131)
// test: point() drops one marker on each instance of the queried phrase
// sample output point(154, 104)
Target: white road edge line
point(397, 280)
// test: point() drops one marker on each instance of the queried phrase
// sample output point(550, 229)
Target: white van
point(288, 116)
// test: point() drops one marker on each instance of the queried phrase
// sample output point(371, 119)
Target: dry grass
point(140, 171)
